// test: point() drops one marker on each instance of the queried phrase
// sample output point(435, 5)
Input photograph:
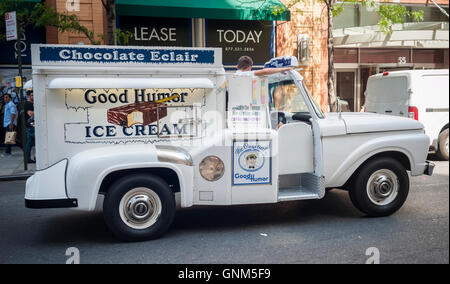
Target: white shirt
point(245, 73)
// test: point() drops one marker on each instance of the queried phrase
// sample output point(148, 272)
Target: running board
point(301, 187)
point(297, 193)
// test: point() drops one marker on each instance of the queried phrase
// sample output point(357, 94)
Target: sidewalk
point(13, 165)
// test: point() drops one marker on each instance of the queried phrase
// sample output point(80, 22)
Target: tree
point(41, 15)
point(113, 35)
point(390, 14)
point(111, 19)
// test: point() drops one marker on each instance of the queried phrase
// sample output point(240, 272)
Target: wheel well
point(399, 156)
point(167, 174)
point(443, 128)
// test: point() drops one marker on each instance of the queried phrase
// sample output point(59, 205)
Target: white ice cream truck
point(153, 128)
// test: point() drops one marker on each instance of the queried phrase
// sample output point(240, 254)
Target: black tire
point(366, 202)
point(132, 184)
point(442, 150)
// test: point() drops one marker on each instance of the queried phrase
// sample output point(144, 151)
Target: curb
point(15, 177)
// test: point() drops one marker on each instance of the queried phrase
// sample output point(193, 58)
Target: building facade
point(362, 50)
point(305, 36)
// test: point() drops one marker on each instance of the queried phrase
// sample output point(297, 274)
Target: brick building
point(90, 13)
point(308, 24)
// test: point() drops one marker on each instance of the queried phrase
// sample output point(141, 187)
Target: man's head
point(245, 63)
point(30, 95)
point(7, 98)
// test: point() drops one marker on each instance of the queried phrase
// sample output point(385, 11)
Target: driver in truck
point(245, 64)
point(244, 67)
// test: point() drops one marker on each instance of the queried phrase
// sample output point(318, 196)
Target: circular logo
point(251, 160)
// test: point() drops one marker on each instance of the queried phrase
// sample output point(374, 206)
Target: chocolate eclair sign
point(124, 115)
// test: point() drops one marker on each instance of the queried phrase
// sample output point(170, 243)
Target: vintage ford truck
point(153, 128)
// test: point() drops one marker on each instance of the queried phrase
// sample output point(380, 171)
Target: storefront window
point(348, 17)
point(360, 16)
point(238, 38)
point(148, 31)
point(431, 14)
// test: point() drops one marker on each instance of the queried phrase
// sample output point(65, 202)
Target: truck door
point(293, 114)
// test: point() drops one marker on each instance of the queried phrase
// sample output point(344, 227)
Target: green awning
point(32, 1)
point(263, 10)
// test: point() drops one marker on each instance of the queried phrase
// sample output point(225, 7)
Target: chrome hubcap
point(140, 208)
point(382, 187)
point(446, 145)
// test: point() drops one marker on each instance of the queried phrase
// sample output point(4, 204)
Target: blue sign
point(252, 162)
point(9, 49)
point(125, 55)
point(283, 61)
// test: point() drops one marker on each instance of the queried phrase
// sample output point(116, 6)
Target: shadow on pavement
point(85, 227)
point(79, 228)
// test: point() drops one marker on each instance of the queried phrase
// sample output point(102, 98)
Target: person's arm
point(13, 117)
point(270, 71)
point(11, 125)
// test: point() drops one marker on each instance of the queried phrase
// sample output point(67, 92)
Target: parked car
point(418, 94)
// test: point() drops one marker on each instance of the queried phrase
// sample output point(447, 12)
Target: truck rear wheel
point(380, 187)
point(443, 145)
point(139, 208)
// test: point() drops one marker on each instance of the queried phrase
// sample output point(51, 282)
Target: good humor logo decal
point(252, 162)
point(125, 55)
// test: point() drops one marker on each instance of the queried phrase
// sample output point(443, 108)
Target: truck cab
point(170, 127)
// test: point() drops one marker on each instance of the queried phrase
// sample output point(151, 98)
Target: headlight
point(212, 168)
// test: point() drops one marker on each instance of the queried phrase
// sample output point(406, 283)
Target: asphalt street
point(330, 230)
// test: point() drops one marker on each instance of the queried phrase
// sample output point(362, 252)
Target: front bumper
point(429, 168)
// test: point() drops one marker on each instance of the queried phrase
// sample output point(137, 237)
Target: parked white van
point(418, 94)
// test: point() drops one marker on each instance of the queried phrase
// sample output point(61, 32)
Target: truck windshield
point(316, 107)
point(286, 97)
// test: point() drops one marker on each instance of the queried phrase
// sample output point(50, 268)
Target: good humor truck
point(153, 128)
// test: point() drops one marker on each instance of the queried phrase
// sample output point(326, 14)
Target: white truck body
point(419, 94)
point(177, 109)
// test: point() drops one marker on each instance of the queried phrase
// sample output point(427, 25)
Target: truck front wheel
point(380, 188)
point(443, 145)
point(139, 207)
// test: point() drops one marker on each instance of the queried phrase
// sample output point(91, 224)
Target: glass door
point(346, 89)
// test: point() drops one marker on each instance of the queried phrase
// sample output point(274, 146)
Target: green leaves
point(123, 37)
point(41, 15)
point(396, 14)
point(278, 10)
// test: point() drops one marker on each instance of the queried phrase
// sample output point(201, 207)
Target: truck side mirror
point(300, 116)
